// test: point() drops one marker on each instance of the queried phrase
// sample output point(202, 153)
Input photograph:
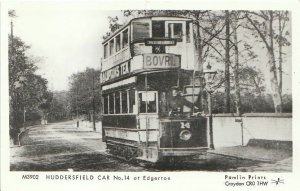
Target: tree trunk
point(227, 64)
point(93, 102)
point(274, 83)
point(199, 66)
point(280, 55)
point(236, 69)
point(272, 67)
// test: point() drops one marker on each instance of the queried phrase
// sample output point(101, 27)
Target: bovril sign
point(115, 72)
point(161, 61)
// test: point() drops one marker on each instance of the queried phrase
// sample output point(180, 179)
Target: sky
point(68, 37)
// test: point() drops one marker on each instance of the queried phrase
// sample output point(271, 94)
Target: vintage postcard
point(135, 95)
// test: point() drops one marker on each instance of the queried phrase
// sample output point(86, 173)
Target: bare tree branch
point(259, 32)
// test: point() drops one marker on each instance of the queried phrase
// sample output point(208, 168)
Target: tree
point(235, 16)
point(263, 24)
point(84, 92)
point(27, 91)
point(240, 58)
point(283, 18)
point(59, 106)
point(252, 80)
point(204, 21)
point(216, 23)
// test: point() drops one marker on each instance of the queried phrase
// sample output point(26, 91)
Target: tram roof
point(168, 18)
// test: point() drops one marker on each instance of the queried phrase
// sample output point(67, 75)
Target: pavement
point(63, 146)
point(253, 153)
point(269, 160)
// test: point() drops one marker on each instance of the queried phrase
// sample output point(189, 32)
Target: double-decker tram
point(149, 93)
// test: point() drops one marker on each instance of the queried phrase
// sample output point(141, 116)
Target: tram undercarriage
point(174, 138)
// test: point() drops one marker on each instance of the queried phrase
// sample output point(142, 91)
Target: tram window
point(158, 29)
point(175, 31)
point(131, 100)
point(141, 30)
point(111, 104)
point(178, 31)
point(142, 104)
point(188, 35)
point(105, 51)
point(147, 102)
point(124, 102)
point(125, 38)
point(111, 47)
point(163, 103)
point(118, 43)
point(151, 106)
point(106, 104)
point(117, 103)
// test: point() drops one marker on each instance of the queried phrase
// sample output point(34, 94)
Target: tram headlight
point(185, 135)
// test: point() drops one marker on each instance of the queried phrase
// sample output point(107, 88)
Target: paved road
point(63, 147)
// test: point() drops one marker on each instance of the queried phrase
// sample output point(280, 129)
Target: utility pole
point(12, 14)
point(11, 55)
point(101, 103)
point(210, 120)
point(11, 32)
point(209, 76)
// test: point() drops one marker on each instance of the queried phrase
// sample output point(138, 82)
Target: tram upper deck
point(148, 43)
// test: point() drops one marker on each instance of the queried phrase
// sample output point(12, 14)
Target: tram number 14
point(184, 125)
point(126, 177)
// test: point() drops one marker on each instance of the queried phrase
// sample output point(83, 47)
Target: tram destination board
point(160, 42)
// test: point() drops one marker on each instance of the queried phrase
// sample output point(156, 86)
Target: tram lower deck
point(148, 117)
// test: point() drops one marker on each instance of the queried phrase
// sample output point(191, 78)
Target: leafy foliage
point(84, 92)
point(29, 95)
point(59, 106)
point(251, 103)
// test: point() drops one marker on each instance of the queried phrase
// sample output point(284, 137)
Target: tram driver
point(177, 102)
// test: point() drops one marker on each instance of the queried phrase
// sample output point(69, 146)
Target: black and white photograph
point(92, 90)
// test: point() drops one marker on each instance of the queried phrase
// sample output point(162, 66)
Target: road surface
point(63, 147)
